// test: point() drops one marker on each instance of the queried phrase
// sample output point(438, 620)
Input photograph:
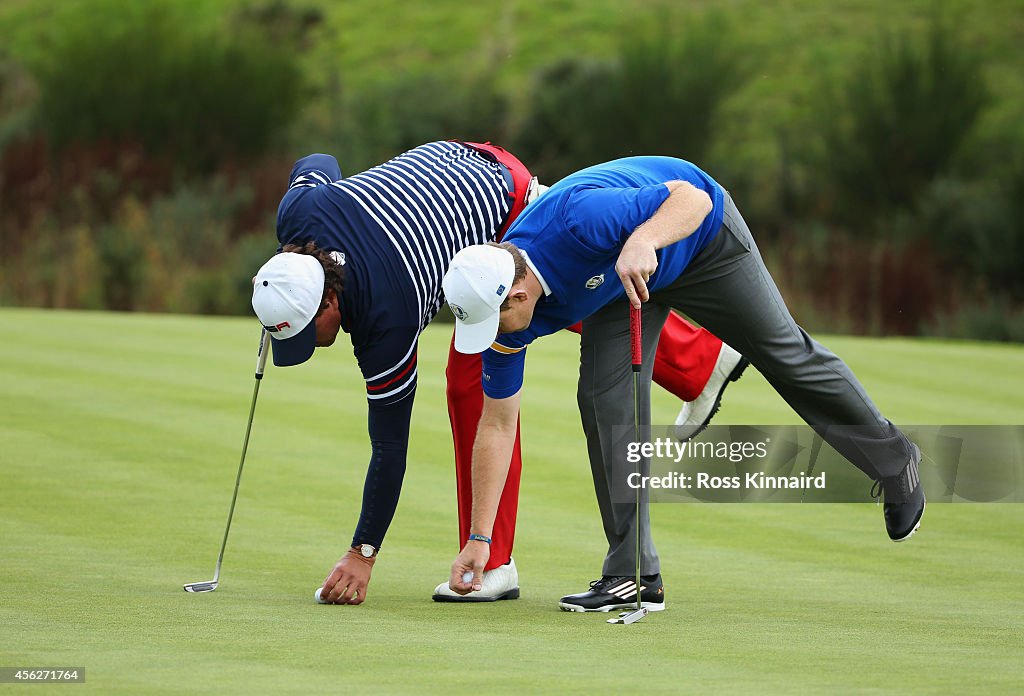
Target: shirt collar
point(543, 283)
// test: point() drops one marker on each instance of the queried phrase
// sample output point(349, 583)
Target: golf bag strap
point(520, 177)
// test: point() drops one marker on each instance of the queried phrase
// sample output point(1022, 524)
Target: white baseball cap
point(286, 296)
point(477, 282)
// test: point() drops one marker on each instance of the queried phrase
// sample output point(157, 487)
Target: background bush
point(659, 95)
point(144, 145)
point(147, 73)
point(379, 121)
point(896, 123)
point(912, 235)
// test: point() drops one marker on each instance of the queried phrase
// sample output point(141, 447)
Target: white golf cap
point(286, 295)
point(477, 282)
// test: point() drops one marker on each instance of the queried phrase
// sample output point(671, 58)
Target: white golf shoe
point(695, 415)
point(499, 583)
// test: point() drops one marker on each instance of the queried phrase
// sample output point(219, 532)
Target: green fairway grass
point(120, 440)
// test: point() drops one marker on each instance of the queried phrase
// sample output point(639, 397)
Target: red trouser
point(684, 361)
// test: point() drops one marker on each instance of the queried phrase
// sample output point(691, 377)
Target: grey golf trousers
point(728, 290)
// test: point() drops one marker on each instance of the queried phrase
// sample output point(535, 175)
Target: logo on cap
point(278, 327)
point(595, 282)
point(501, 289)
point(458, 311)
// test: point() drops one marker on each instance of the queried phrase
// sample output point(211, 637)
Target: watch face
point(366, 550)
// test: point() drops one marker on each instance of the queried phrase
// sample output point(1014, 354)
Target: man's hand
point(637, 262)
point(472, 558)
point(679, 216)
point(347, 582)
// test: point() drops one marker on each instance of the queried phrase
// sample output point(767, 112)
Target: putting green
point(121, 436)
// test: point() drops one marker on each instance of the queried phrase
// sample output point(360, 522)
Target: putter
point(261, 362)
point(636, 344)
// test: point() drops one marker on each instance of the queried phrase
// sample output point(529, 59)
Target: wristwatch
point(366, 550)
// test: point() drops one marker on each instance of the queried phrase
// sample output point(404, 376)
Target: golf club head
point(628, 617)
point(207, 586)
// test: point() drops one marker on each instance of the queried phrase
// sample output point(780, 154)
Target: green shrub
point(979, 229)
point(248, 254)
point(570, 123)
point(672, 82)
point(17, 93)
point(388, 117)
point(122, 267)
point(660, 95)
point(993, 319)
point(190, 250)
point(149, 73)
point(226, 288)
point(57, 267)
point(897, 122)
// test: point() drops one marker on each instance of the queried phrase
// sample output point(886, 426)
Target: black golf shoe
point(904, 499)
point(611, 593)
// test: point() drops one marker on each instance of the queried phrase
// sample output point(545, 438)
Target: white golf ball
point(316, 596)
point(467, 577)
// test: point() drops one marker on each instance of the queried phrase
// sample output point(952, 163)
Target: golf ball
point(316, 596)
point(467, 577)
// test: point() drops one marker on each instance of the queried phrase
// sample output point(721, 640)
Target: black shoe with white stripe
point(904, 500)
point(612, 593)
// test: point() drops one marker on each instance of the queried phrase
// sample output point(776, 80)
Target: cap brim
point(478, 337)
point(297, 349)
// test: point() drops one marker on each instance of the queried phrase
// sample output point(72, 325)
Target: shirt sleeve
point(388, 362)
point(313, 170)
point(602, 218)
point(388, 426)
point(308, 173)
point(503, 368)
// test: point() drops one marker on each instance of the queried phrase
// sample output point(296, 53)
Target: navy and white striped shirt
point(399, 225)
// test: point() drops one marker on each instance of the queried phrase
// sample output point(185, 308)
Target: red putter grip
point(635, 343)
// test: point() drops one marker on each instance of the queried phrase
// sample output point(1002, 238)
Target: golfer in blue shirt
point(659, 233)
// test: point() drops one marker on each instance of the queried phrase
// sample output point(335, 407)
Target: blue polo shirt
point(573, 235)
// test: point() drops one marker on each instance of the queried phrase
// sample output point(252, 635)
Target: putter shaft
point(636, 348)
point(261, 362)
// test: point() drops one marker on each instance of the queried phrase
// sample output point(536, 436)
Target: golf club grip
point(261, 357)
point(635, 331)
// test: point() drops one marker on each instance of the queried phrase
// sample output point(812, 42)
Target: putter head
point(207, 586)
point(628, 617)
